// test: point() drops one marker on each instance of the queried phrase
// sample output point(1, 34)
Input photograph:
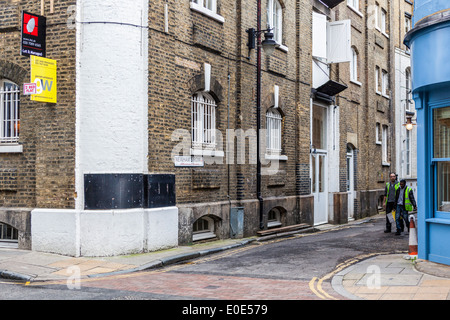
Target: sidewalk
point(391, 277)
point(376, 278)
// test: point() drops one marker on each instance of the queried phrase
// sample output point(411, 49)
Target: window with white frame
point(273, 131)
point(377, 133)
point(408, 89)
point(383, 21)
point(384, 82)
point(354, 4)
point(354, 65)
point(376, 14)
point(407, 23)
point(207, 4)
point(203, 110)
point(384, 145)
point(9, 112)
point(275, 19)
point(377, 79)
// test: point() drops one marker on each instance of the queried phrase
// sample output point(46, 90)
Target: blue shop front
point(430, 60)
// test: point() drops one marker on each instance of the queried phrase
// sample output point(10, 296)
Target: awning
point(331, 3)
point(330, 88)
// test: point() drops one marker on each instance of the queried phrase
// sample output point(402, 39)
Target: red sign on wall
point(33, 35)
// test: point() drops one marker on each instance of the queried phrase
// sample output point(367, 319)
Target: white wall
point(403, 61)
point(111, 137)
point(104, 233)
point(112, 86)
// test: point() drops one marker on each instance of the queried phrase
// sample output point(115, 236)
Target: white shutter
point(339, 41)
point(319, 45)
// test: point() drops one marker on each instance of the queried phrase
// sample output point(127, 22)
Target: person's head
point(402, 183)
point(392, 176)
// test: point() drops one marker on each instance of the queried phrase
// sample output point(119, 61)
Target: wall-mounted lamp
point(409, 125)
point(268, 44)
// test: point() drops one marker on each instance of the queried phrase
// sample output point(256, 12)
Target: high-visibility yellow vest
point(396, 186)
point(408, 204)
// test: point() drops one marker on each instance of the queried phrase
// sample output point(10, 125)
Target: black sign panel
point(33, 35)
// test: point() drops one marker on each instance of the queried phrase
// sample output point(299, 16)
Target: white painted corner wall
point(104, 233)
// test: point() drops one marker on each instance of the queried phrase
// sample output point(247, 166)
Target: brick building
point(141, 83)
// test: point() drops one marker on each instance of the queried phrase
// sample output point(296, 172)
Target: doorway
point(319, 163)
point(350, 183)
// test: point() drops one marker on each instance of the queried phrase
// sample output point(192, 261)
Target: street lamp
point(269, 46)
point(409, 125)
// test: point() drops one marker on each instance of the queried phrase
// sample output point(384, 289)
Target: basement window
point(8, 235)
point(203, 229)
point(274, 218)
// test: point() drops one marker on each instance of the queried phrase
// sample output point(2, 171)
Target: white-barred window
point(203, 108)
point(9, 112)
point(273, 127)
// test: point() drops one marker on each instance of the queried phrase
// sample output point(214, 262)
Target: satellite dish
point(30, 25)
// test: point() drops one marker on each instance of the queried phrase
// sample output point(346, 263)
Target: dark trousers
point(401, 216)
point(389, 207)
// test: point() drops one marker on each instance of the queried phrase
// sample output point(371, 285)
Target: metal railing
point(9, 113)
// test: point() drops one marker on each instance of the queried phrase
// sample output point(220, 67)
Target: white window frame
point(275, 19)
point(203, 121)
point(274, 122)
point(377, 79)
point(407, 89)
point(377, 16)
point(354, 67)
point(377, 133)
point(354, 4)
point(208, 8)
point(384, 83)
point(383, 22)
point(9, 117)
point(384, 146)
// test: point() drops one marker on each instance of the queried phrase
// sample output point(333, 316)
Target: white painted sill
point(356, 82)
point(203, 236)
point(207, 12)
point(275, 157)
point(209, 153)
point(11, 148)
point(356, 11)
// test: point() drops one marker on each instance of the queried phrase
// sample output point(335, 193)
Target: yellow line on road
point(311, 287)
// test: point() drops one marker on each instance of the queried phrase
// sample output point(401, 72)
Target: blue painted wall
point(424, 8)
point(430, 61)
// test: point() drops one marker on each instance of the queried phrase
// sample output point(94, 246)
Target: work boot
point(398, 233)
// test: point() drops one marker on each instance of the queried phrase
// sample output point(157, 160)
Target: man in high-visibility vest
point(404, 198)
point(389, 203)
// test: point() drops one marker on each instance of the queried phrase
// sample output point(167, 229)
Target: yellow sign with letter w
point(43, 73)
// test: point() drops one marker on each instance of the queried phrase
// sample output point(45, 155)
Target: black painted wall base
point(128, 191)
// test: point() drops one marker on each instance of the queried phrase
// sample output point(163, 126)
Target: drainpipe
point(258, 117)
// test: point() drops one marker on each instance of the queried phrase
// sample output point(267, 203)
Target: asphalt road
point(281, 269)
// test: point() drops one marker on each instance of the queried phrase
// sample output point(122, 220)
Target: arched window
point(9, 111)
point(203, 108)
point(274, 218)
point(273, 131)
point(275, 19)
